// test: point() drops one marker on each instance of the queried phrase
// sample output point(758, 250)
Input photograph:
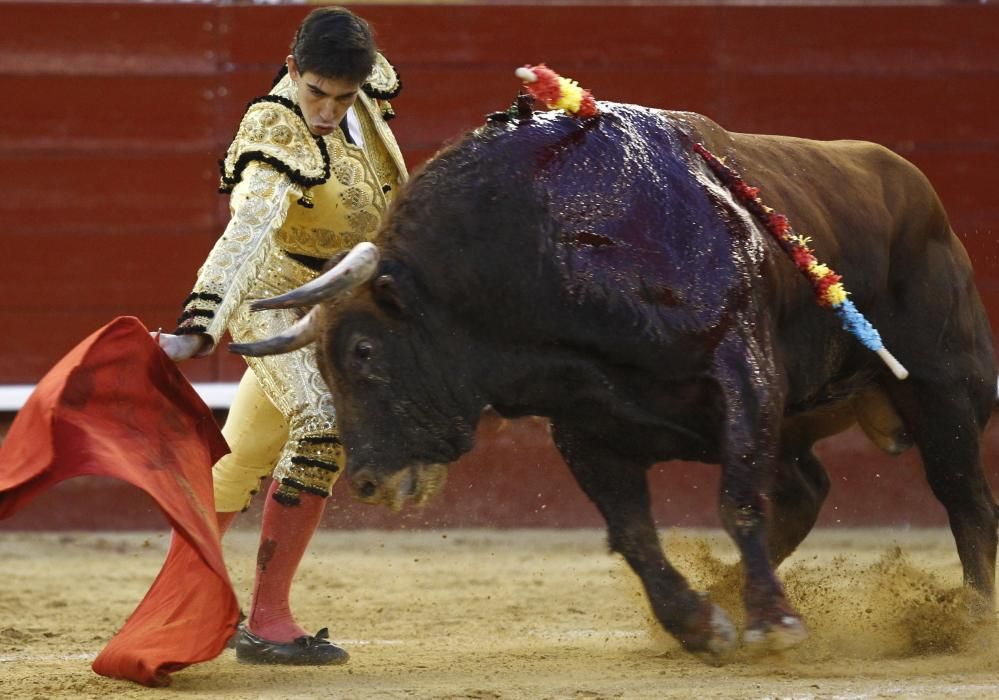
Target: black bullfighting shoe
point(303, 651)
point(240, 626)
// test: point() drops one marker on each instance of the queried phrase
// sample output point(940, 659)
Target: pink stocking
point(284, 536)
point(225, 520)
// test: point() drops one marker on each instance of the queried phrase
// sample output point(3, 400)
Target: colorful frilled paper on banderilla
point(828, 286)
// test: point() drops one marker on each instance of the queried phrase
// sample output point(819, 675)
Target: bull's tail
point(995, 408)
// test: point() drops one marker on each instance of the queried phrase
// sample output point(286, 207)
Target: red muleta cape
point(117, 406)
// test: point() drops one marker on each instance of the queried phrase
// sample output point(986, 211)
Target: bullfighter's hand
point(182, 347)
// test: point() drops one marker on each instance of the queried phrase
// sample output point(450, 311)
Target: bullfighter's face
point(395, 386)
point(324, 101)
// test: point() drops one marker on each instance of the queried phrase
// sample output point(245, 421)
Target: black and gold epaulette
point(384, 82)
point(273, 131)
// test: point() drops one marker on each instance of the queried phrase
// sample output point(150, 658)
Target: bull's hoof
point(716, 637)
point(980, 607)
point(787, 632)
point(723, 637)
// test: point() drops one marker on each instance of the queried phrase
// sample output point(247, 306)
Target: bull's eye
point(362, 356)
point(363, 350)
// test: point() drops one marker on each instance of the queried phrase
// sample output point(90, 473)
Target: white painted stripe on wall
point(215, 394)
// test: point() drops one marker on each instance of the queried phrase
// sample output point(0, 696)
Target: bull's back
point(870, 213)
point(875, 219)
point(636, 231)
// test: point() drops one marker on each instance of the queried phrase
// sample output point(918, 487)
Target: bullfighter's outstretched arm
point(258, 207)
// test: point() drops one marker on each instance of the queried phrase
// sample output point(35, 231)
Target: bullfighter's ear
point(386, 293)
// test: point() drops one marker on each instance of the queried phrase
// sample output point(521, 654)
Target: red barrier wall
point(115, 115)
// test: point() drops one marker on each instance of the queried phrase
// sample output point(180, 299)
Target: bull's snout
point(364, 484)
point(417, 483)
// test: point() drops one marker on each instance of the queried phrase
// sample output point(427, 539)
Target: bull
point(597, 272)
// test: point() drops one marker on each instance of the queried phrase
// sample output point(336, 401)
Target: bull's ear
point(387, 293)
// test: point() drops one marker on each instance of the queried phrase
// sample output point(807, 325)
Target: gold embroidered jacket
point(290, 190)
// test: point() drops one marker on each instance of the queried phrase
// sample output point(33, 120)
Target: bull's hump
point(631, 215)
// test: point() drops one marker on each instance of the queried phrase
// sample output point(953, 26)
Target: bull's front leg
point(751, 400)
point(619, 489)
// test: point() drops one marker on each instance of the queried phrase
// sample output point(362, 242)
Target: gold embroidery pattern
point(285, 88)
point(387, 158)
point(383, 82)
point(312, 457)
point(348, 206)
point(360, 193)
point(316, 242)
point(259, 205)
point(379, 151)
point(273, 132)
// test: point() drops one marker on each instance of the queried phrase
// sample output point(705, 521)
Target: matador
point(311, 171)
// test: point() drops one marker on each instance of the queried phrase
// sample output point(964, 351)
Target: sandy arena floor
point(512, 614)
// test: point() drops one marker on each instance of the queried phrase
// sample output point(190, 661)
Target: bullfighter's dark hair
point(333, 42)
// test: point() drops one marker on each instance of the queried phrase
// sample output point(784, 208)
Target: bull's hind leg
point(946, 426)
point(620, 491)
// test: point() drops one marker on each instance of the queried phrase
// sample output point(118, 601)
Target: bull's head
point(405, 403)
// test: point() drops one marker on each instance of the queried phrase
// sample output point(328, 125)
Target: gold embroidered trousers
point(293, 435)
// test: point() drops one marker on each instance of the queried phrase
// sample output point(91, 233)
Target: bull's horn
point(300, 334)
point(356, 268)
